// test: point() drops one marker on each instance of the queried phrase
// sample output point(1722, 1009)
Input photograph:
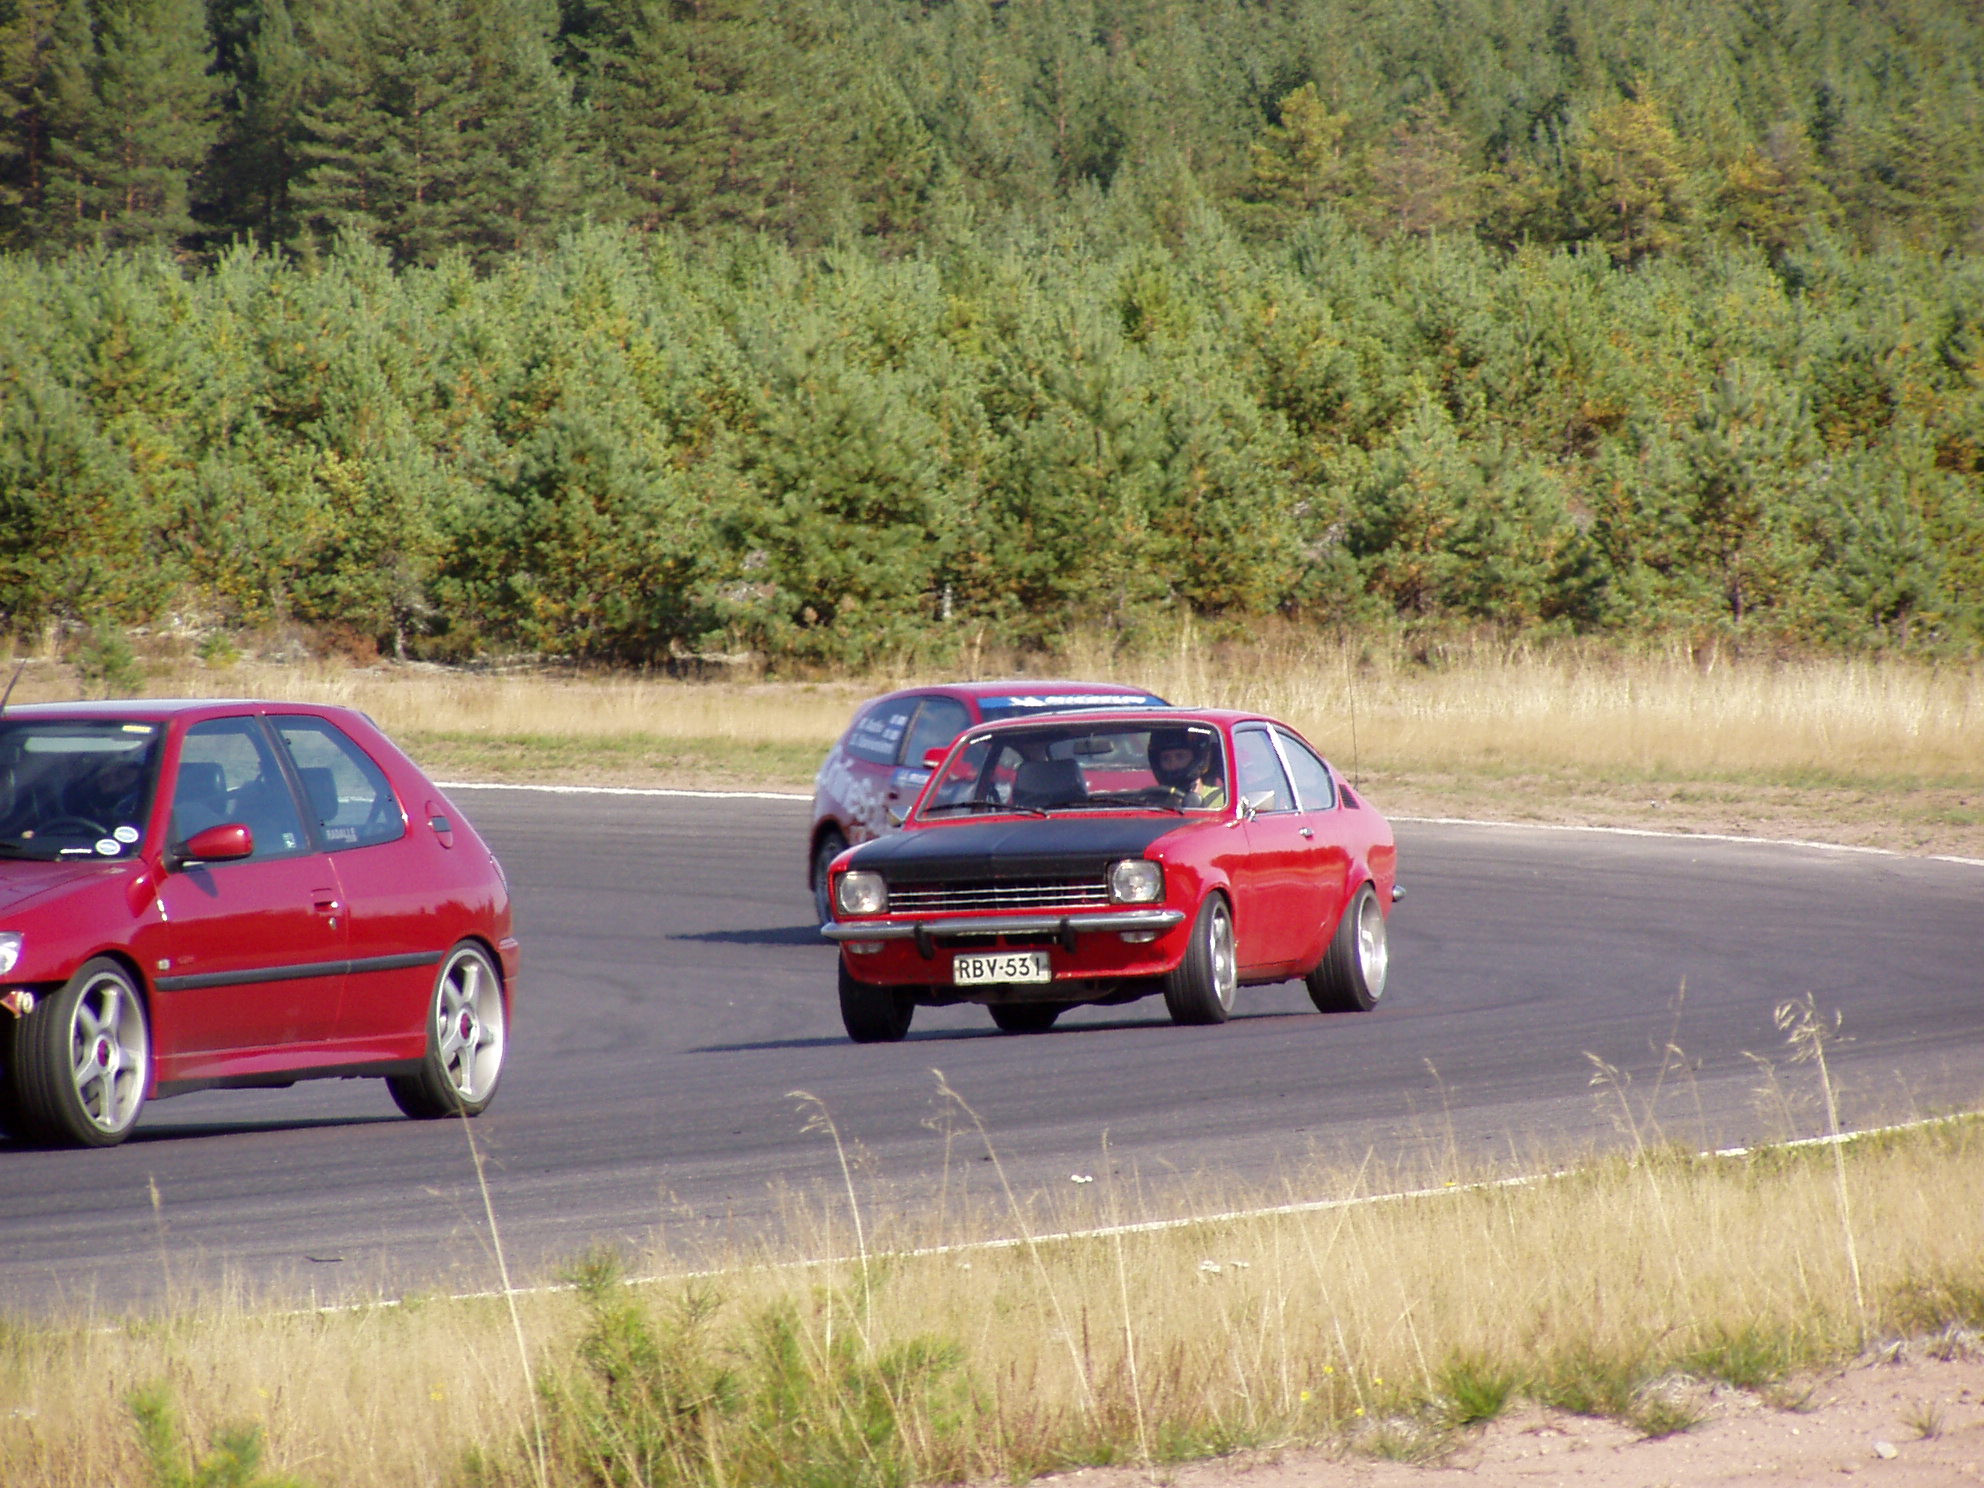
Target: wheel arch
point(825, 826)
point(482, 943)
point(147, 1000)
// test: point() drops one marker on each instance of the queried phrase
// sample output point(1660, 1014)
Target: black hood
point(1036, 847)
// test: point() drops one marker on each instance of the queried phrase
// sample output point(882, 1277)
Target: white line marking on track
point(1190, 1221)
point(622, 790)
point(1428, 821)
point(1838, 847)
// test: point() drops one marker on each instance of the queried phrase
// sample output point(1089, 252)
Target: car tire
point(1026, 1017)
point(467, 1037)
point(830, 846)
point(1202, 988)
point(872, 1014)
point(82, 1060)
point(1351, 976)
point(13, 1121)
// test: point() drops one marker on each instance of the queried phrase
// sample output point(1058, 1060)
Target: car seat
point(320, 786)
point(1051, 782)
point(200, 800)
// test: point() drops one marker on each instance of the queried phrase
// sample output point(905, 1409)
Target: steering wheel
point(75, 826)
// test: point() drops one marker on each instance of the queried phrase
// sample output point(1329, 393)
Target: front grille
point(1006, 894)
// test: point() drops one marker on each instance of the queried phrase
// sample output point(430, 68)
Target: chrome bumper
point(1064, 927)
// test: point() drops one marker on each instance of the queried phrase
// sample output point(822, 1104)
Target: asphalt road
point(677, 999)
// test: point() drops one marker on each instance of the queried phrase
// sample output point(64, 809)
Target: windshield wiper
point(964, 806)
point(1136, 800)
point(14, 847)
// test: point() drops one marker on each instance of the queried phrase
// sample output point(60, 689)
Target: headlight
point(860, 893)
point(10, 950)
point(1136, 881)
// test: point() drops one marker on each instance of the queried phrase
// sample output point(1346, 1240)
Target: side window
point(228, 773)
point(938, 721)
point(347, 792)
point(1261, 774)
point(877, 734)
point(1313, 784)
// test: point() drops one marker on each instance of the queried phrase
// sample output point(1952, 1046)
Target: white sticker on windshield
point(126, 834)
point(108, 847)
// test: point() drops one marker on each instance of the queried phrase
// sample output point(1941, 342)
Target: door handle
point(1308, 831)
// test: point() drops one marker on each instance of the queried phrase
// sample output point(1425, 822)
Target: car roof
point(1167, 716)
point(1021, 687)
point(159, 710)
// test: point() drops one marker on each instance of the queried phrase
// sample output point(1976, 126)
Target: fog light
point(1139, 937)
point(862, 947)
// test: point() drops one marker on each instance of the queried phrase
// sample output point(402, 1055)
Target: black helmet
point(1164, 740)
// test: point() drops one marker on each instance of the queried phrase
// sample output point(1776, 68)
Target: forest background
point(834, 330)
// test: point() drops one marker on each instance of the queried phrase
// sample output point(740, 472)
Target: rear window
point(348, 794)
point(877, 733)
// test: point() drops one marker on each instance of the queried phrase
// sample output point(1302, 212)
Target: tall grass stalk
point(947, 1093)
point(1123, 1297)
point(537, 1451)
point(1809, 1033)
point(819, 1118)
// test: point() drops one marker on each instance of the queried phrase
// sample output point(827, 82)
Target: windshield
point(1085, 764)
point(75, 788)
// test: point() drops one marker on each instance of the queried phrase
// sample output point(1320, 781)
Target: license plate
point(1001, 966)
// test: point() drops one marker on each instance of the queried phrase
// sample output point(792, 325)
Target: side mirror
point(222, 844)
point(935, 757)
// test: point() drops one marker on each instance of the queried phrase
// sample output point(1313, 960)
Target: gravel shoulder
point(1912, 1422)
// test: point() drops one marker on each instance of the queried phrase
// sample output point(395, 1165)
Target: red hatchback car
point(221, 894)
point(1101, 858)
point(876, 769)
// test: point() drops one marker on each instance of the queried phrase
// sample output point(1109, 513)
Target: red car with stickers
point(197, 895)
point(873, 773)
point(1102, 858)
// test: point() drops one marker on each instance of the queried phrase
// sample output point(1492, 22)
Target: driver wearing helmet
point(1186, 764)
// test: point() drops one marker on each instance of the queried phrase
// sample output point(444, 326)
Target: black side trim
point(395, 963)
point(279, 1079)
point(308, 969)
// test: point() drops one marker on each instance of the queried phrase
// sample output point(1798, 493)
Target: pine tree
point(256, 163)
point(27, 31)
point(1419, 180)
point(1634, 179)
point(130, 112)
point(1771, 192)
point(691, 111)
point(433, 125)
point(1302, 158)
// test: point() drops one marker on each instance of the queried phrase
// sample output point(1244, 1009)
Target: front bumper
point(1062, 927)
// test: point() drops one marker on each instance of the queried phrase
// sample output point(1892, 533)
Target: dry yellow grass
point(1595, 709)
point(1876, 752)
point(1624, 1282)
